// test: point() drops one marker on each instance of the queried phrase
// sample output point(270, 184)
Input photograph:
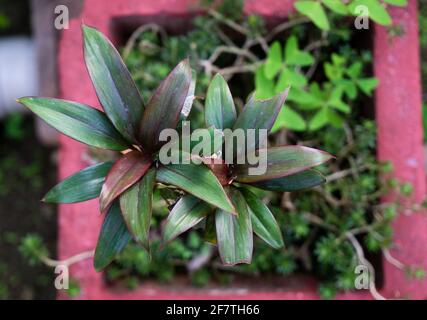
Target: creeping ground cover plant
point(215, 188)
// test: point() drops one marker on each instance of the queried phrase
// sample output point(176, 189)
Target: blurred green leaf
point(319, 120)
point(400, 3)
point(264, 87)
point(290, 119)
point(377, 11)
point(295, 56)
point(273, 63)
point(314, 11)
point(367, 85)
point(336, 6)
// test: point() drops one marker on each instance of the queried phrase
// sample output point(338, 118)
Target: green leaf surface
point(376, 11)
point(263, 222)
point(256, 115)
point(399, 3)
point(289, 77)
point(113, 238)
point(284, 161)
point(294, 56)
point(314, 11)
point(197, 180)
point(220, 111)
point(273, 63)
point(367, 85)
point(125, 172)
point(136, 205)
point(355, 70)
point(78, 121)
point(186, 213)
point(165, 106)
point(300, 181)
point(336, 6)
point(290, 119)
point(234, 233)
point(264, 87)
point(319, 120)
point(81, 186)
point(113, 83)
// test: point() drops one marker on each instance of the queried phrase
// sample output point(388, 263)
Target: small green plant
point(374, 9)
point(212, 191)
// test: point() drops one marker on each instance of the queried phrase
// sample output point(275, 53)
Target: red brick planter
point(398, 112)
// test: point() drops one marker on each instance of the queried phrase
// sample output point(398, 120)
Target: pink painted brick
point(398, 109)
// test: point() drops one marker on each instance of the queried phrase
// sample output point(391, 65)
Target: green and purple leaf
point(78, 121)
point(234, 233)
point(124, 173)
point(197, 180)
point(165, 106)
point(186, 213)
point(113, 83)
point(81, 186)
point(284, 161)
point(136, 206)
point(257, 114)
point(113, 238)
point(263, 222)
point(300, 181)
point(220, 111)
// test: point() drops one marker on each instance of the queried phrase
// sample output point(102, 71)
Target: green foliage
point(74, 289)
point(376, 9)
point(33, 248)
point(13, 126)
point(327, 103)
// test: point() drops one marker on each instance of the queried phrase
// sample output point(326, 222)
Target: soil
point(27, 171)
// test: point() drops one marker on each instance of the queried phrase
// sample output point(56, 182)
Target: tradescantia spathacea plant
point(214, 194)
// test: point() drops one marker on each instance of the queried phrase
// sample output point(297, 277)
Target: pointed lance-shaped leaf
point(78, 121)
point(136, 206)
point(234, 233)
point(197, 180)
point(124, 173)
point(113, 238)
point(282, 162)
point(81, 186)
point(186, 213)
point(220, 111)
point(263, 222)
point(256, 115)
point(113, 83)
point(165, 106)
point(300, 181)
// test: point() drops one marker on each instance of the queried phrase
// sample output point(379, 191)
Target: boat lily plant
point(215, 195)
